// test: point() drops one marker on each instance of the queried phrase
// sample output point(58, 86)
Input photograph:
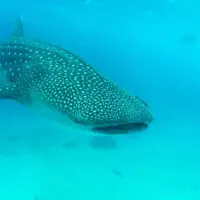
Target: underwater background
point(149, 47)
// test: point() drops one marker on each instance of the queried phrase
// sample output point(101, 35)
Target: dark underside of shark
point(36, 73)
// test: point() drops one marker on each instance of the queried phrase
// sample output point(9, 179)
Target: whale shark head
point(132, 115)
point(33, 71)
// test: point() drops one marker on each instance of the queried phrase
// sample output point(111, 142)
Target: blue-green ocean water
point(152, 49)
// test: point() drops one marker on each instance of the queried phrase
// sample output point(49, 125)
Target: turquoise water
point(150, 48)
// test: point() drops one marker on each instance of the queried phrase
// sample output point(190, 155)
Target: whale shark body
point(36, 73)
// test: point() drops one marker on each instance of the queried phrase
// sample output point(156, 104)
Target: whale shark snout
point(114, 112)
point(132, 116)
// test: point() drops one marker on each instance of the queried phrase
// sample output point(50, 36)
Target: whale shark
point(60, 84)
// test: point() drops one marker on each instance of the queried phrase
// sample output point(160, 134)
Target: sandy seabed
point(40, 161)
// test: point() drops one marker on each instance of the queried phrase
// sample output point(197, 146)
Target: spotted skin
point(64, 82)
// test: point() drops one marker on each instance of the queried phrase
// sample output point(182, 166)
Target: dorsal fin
point(18, 32)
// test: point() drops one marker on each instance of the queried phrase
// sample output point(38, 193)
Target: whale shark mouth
point(122, 128)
